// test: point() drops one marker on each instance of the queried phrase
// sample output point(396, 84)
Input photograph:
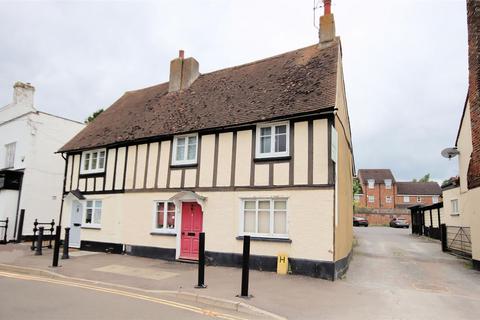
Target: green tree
point(93, 116)
point(357, 188)
point(425, 178)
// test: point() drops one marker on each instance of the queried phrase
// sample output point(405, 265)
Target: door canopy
point(188, 196)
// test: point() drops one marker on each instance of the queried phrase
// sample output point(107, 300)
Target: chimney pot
point(181, 54)
point(327, 7)
point(327, 24)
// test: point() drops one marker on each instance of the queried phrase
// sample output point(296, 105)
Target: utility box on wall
point(282, 263)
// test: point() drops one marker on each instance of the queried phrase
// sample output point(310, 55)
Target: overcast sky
point(405, 61)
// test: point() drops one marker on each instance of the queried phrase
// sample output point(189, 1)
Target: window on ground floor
point(264, 217)
point(371, 199)
point(164, 216)
point(93, 213)
point(388, 199)
point(454, 204)
point(419, 199)
point(406, 199)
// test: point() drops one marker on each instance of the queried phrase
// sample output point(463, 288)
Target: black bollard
point(35, 230)
point(443, 237)
point(52, 225)
point(56, 248)
point(20, 226)
point(38, 248)
point(5, 231)
point(66, 243)
point(245, 265)
point(201, 262)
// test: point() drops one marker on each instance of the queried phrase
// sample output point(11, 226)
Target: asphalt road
point(31, 297)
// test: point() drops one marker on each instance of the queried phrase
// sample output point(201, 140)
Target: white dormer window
point(93, 161)
point(371, 183)
point(185, 149)
point(272, 140)
point(388, 183)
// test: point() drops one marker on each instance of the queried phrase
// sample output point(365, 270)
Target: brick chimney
point(327, 24)
point(183, 72)
point(23, 94)
point(473, 21)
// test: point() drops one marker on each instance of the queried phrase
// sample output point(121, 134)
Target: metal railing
point(4, 227)
point(459, 241)
point(36, 225)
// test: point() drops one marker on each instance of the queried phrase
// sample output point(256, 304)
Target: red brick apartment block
point(473, 20)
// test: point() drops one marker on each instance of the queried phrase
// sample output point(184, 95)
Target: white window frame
point(388, 183)
point(165, 211)
point(372, 198)
point(435, 199)
point(97, 169)
point(388, 199)
point(271, 227)
point(457, 211)
point(406, 199)
point(272, 154)
point(184, 161)
point(371, 183)
point(86, 224)
point(10, 149)
point(357, 197)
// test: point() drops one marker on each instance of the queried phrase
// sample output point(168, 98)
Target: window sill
point(455, 214)
point(187, 165)
point(159, 233)
point(92, 227)
point(273, 159)
point(266, 239)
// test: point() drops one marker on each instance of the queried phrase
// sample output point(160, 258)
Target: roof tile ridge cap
point(146, 88)
point(265, 59)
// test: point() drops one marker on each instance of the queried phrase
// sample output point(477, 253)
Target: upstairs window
point(371, 199)
point(388, 184)
point(388, 199)
point(371, 183)
point(10, 155)
point(185, 149)
point(272, 140)
point(406, 199)
point(93, 161)
point(419, 199)
point(454, 204)
point(164, 218)
point(435, 199)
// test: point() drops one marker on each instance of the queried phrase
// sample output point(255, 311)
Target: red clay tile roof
point(418, 188)
point(296, 82)
point(379, 175)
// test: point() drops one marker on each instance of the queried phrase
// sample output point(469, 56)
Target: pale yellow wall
point(76, 166)
point(281, 173)
point(120, 168)
point(472, 205)
point(243, 158)
point(68, 173)
point(98, 184)
point(128, 219)
point(90, 184)
point(320, 151)
point(141, 163)
point(300, 152)
point(224, 167)
point(344, 229)
point(82, 183)
point(130, 167)
point(110, 169)
point(164, 163)
point(206, 160)
point(261, 175)
point(190, 178)
point(175, 178)
point(152, 165)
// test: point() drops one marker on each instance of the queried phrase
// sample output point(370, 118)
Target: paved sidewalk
point(393, 275)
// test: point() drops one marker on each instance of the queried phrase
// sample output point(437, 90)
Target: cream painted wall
point(68, 177)
point(300, 152)
point(243, 158)
point(175, 178)
point(132, 150)
point(76, 167)
point(128, 219)
point(120, 168)
point(464, 145)
point(281, 174)
point(140, 168)
point(164, 163)
point(190, 178)
point(110, 169)
point(261, 174)
point(206, 160)
point(152, 165)
point(320, 151)
point(224, 167)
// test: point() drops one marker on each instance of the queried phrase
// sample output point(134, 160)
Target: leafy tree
point(425, 178)
point(93, 116)
point(357, 188)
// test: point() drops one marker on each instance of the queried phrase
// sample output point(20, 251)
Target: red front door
point(192, 219)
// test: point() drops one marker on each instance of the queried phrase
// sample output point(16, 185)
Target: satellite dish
point(450, 152)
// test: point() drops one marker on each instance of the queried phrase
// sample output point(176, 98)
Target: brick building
point(382, 192)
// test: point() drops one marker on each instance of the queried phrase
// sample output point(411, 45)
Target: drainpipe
point(18, 207)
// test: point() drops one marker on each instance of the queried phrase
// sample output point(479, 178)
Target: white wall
point(8, 207)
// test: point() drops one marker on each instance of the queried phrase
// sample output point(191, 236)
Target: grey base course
point(198, 298)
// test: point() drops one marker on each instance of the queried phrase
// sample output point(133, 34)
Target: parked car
point(399, 223)
point(360, 221)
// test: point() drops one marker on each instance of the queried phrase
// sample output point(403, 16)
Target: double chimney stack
point(183, 72)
